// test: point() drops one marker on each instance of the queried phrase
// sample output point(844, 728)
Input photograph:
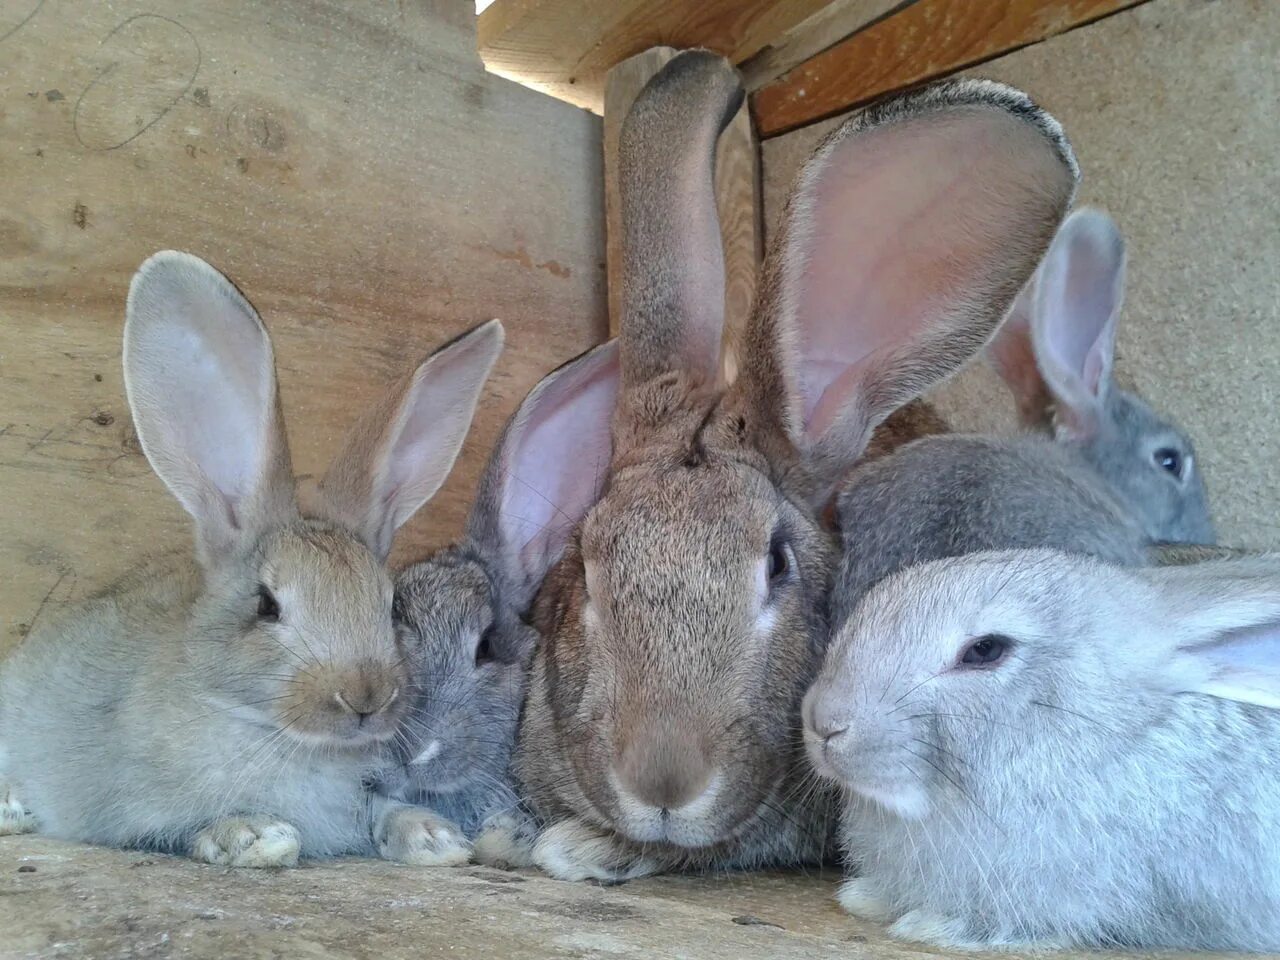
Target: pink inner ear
point(911, 228)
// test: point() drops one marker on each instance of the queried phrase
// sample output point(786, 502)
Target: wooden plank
point(566, 47)
point(824, 29)
point(737, 193)
point(372, 198)
point(929, 38)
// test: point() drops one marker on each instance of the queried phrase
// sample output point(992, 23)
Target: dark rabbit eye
point(268, 609)
point(986, 651)
point(484, 649)
point(781, 560)
point(1167, 458)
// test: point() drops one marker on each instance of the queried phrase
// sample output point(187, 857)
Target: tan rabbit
point(231, 707)
point(686, 619)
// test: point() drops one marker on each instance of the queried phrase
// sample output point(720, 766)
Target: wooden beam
point(826, 28)
point(928, 39)
point(565, 47)
point(737, 197)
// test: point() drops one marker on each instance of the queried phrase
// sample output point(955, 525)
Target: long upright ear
point(1221, 621)
point(201, 381)
point(548, 470)
point(1012, 355)
point(1077, 304)
point(905, 240)
point(673, 262)
point(399, 453)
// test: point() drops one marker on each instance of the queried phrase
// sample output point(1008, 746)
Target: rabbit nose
point(669, 775)
point(365, 700)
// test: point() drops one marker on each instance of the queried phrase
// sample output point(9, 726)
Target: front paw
point(255, 842)
point(14, 817)
point(924, 926)
point(574, 850)
point(506, 841)
point(861, 898)
point(422, 838)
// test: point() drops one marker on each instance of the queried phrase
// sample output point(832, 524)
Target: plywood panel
point(1171, 107)
point(372, 196)
point(927, 39)
point(737, 181)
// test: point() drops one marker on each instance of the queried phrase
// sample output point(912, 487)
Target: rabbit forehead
point(443, 595)
point(326, 577)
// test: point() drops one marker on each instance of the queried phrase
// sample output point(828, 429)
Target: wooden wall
point(1172, 107)
point(349, 165)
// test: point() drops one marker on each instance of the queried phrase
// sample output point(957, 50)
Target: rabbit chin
point(906, 800)
point(689, 826)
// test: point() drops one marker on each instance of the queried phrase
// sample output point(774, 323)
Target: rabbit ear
point(1012, 354)
point(548, 470)
point(906, 238)
point(673, 262)
point(1223, 627)
point(1077, 304)
point(200, 377)
point(399, 453)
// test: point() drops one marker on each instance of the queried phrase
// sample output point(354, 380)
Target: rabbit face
point(306, 620)
point(469, 675)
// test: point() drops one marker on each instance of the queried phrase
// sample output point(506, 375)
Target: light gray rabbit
point(229, 706)
point(465, 610)
point(1113, 479)
point(1042, 749)
point(682, 626)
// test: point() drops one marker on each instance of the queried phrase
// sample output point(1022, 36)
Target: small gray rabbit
point(464, 609)
point(231, 705)
point(1113, 479)
point(1041, 749)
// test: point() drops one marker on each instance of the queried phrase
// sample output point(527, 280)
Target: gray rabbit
point(463, 611)
point(1111, 480)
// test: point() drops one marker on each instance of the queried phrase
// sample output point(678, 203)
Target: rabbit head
point(292, 628)
point(683, 624)
point(464, 608)
point(960, 675)
point(1056, 353)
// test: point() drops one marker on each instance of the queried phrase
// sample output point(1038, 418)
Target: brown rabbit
point(687, 617)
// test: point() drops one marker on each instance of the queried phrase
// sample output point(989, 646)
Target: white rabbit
point(1040, 748)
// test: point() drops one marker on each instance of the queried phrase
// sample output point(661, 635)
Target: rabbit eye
point(268, 609)
point(781, 560)
point(986, 651)
point(1167, 458)
point(484, 648)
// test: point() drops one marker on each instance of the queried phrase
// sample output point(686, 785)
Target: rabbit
point(682, 625)
point(466, 608)
point(1115, 480)
point(1041, 749)
point(229, 706)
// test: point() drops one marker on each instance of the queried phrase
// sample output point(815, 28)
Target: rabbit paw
point(14, 817)
point(573, 850)
point(417, 836)
point(923, 926)
point(248, 842)
point(861, 898)
point(506, 841)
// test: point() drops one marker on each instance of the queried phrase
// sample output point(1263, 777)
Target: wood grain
point(371, 197)
point(825, 28)
point(929, 38)
point(737, 193)
point(566, 47)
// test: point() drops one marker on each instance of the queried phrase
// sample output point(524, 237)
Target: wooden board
point(566, 47)
point(372, 197)
point(927, 39)
point(737, 193)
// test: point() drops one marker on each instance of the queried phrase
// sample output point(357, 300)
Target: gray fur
point(1114, 781)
